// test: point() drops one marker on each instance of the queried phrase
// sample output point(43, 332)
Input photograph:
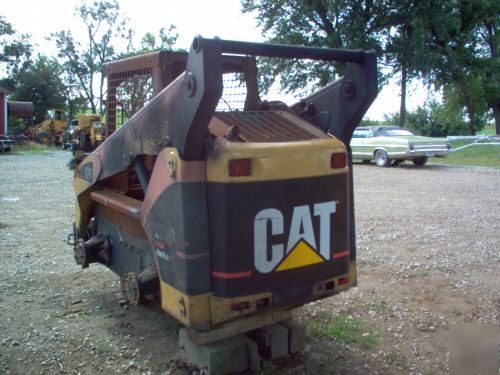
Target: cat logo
point(302, 247)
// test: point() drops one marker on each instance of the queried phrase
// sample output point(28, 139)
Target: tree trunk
point(402, 107)
point(496, 114)
point(471, 114)
point(93, 107)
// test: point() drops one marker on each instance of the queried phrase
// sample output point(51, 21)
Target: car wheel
point(419, 162)
point(44, 138)
point(381, 158)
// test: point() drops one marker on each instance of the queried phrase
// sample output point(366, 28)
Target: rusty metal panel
point(268, 126)
point(134, 81)
point(22, 109)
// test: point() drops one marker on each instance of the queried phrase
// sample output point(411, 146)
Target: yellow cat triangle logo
point(301, 255)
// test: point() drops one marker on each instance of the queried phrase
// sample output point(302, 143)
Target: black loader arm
point(339, 107)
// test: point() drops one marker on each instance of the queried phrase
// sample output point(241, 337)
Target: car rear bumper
point(415, 154)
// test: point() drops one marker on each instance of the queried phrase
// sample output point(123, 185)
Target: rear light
point(338, 160)
point(263, 302)
point(330, 285)
point(240, 306)
point(240, 167)
point(343, 281)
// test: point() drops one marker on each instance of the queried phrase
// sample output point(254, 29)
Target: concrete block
point(296, 335)
point(272, 340)
point(253, 356)
point(234, 354)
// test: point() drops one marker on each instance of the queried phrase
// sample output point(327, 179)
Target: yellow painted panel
point(221, 307)
point(274, 161)
point(193, 311)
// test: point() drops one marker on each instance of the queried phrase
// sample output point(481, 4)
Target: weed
point(166, 324)
point(57, 314)
point(375, 305)
point(104, 348)
point(327, 366)
point(33, 148)
point(345, 329)
point(268, 368)
point(24, 286)
point(428, 370)
point(397, 359)
point(440, 268)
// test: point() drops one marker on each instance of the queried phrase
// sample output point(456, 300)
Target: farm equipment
point(6, 143)
point(87, 133)
point(51, 130)
point(67, 138)
point(226, 207)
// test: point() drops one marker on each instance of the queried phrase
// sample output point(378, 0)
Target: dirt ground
point(428, 260)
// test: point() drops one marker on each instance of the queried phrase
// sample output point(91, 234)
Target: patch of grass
point(165, 323)
point(375, 305)
point(428, 370)
point(24, 286)
point(481, 155)
point(326, 365)
point(32, 148)
point(488, 130)
point(397, 359)
point(346, 330)
point(268, 368)
point(57, 314)
point(103, 348)
point(441, 268)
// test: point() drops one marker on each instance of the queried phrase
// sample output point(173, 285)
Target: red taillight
point(343, 281)
point(240, 306)
point(338, 160)
point(240, 167)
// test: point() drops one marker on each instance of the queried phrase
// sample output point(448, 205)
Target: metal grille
point(269, 126)
point(234, 93)
point(128, 92)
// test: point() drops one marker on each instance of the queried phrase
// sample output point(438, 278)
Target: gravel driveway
point(428, 260)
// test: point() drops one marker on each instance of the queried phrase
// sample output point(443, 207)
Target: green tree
point(404, 48)
point(163, 41)
point(392, 28)
point(451, 44)
point(104, 24)
point(41, 84)
point(454, 48)
point(135, 92)
point(488, 51)
point(317, 23)
point(15, 49)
